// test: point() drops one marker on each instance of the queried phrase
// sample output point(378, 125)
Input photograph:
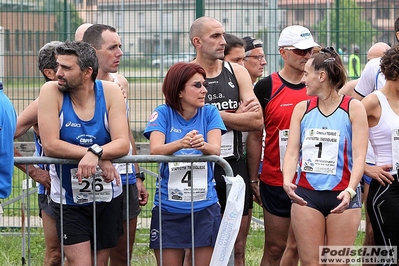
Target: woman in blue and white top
point(328, 138)
point(185, 125)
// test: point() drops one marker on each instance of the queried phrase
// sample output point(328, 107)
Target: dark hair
point(46, 58)
point(176, 79)
point(93, 34)
point(396, 26)
point(390, 63)
point(232, 41)
point(331, 62)
point(85, 53)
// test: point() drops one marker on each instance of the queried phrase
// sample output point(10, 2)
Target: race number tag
point(395, 148)
point(320, 151)
point(282, 143)
point(84, 193)
point(182, 178)
point(227, 148)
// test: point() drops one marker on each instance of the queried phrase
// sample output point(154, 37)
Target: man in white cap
point(278, 94)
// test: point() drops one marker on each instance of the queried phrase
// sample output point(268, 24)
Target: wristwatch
point(141, 176)
point(96, 149)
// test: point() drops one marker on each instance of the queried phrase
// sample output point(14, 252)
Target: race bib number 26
point(83, 193)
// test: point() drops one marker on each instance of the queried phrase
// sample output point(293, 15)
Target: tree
point(351, 29)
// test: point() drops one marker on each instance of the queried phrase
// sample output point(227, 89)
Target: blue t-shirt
point(174, 195)
point(8, 125)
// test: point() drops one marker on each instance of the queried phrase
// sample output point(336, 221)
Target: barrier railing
point(126, 159)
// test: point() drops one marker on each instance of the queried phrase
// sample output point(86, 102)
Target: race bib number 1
point(320, 151)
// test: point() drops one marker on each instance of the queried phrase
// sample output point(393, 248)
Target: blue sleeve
point(158, 121)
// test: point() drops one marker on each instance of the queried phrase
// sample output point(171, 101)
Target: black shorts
point(78, 223)
point(326, 200)
point(134, 207)
point(239, 168)
point(44, 205)
point(176, 228)
point(275, 200)
point(383, 209)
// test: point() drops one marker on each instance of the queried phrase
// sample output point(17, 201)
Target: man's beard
point(67, 86)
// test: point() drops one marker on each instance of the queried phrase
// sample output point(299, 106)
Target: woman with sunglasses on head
point(328, 138)
point(185, 125)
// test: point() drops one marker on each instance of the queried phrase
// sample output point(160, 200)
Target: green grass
point(10, 248)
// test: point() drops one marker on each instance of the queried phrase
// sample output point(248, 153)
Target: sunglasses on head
point(299, 51)
point(198, 84)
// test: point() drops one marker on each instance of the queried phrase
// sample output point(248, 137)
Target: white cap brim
point(303, 45)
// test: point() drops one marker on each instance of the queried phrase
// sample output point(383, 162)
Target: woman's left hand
point(198, 142)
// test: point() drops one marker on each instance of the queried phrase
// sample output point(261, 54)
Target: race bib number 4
point(83, 193)
point(183, 180)
point(320, 151)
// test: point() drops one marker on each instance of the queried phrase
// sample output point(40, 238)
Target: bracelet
point(253, 181)
point(141, 176)
point(351, 192)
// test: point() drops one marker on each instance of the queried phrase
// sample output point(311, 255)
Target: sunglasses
point(198, 84)
point(299, 51)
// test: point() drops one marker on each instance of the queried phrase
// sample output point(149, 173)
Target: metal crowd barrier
point(126, 159)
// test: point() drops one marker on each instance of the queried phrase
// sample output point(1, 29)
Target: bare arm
point(358, 119)
point(249, 115)
point(37, 174)
point(254, 150)
point(27, 119)
point(291, 156)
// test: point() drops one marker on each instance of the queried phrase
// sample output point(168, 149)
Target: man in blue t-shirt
point(8, 124)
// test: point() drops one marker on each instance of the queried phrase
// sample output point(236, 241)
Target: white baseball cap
point(297, 36)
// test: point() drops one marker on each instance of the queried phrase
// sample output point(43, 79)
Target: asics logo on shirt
point(176, 130)
point(72, 124)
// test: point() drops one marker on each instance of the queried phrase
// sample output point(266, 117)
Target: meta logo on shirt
point(72, 124)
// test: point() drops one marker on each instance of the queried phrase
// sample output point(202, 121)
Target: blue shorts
point(366, 179)
point(44, 205)
point(326, 200)
point(176, 228)
point(275, 200)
